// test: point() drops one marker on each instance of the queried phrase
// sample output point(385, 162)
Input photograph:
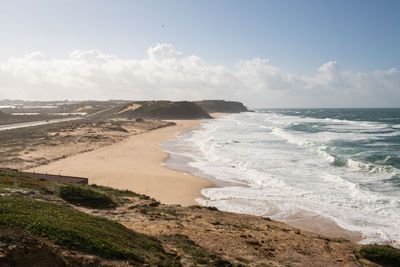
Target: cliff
point(221, 106)
point(163, 110)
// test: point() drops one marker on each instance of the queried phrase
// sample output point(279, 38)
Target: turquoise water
point(343, 164)
point(372, 142)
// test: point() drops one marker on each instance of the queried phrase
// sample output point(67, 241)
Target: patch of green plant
point(381, 254)
point(9, 174)
point(247, 227)
point(6, 174)
point(150, 209)
point(243, 260)
point(198, 255)
point(117, 192)
point(2, 191)
point(76, 230)
point(19, 180)
point(85, 196)
point(195, 207)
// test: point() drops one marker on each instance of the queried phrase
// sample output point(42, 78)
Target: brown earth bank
point(188, 236)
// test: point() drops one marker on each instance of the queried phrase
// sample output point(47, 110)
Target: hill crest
point(163, 110)
point(217, 106)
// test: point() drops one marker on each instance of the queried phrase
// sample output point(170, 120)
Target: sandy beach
point(136, 164)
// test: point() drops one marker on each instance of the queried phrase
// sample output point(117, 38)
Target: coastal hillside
point(163, 110)
point(4, 116)
point(7, 118)
point(216, 106)
point(29, 111)
point(89, 225)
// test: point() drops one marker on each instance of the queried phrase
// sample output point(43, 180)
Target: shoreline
point(138, 164)
point(304, 220)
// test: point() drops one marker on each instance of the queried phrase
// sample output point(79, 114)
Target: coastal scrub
point(385, 255)
point(79, 195)
point(72, 229)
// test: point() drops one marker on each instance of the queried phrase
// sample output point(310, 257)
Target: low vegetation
point(18, 180)
point(384, 255)
point(117, 192)
point(76, 230)
point(87, 197)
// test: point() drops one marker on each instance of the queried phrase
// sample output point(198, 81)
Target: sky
point(314, 53)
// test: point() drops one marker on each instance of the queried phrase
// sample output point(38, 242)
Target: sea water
point(343, 164)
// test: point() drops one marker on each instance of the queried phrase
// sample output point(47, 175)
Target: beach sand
point(136, 164)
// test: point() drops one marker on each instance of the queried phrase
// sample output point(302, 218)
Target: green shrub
point(212, 208)
point(381, 254)
point(80, 195)
point(117, 192)
point(195, 207)
point(76, 230)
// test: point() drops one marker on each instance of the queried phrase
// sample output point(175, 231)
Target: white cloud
point(168, 74)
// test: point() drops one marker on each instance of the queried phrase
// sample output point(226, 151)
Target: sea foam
point(278, 164)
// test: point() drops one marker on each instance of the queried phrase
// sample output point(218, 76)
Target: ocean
point(342, 164)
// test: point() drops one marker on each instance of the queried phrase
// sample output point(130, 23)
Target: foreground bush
point(80, 195)
point(382, 254)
